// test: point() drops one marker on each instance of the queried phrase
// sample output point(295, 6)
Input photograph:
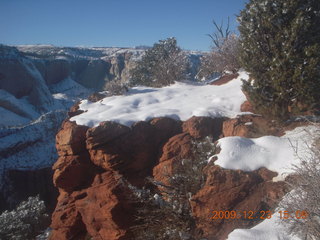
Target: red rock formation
point(227, 190)
point(95, 166)
point(91, 170)
point(74, 110)
point(250, 126)
point(102, 211)
point(225, 79)
point(246, 107)
point(176, 149)
point(200, 127)
point(70, 140)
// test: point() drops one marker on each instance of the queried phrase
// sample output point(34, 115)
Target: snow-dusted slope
point(179, 101)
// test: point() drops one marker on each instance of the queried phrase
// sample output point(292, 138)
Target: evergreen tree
point(161, 65)
point(280, 48)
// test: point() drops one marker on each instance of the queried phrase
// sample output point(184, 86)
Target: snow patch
point(179, 101)
point(275, 153)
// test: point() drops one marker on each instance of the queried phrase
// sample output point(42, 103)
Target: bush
point(166, 214)
point(305, 197)
point(25, 222)
point(115, 88)
point(280, 48)
point(162, 65)
point(224, 56)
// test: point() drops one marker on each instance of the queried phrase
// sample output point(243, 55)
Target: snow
point(67, 92)
point(269, 229)
point(275, 153)
point(179, 101)
point(31, 146)
point(278, 154)
point(15, 111)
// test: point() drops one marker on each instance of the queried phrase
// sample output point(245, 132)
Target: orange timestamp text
point(256, 215)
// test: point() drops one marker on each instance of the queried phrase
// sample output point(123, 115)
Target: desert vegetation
point(303, 201)
point(27, 221)
point(165, 210)
point(280, 48)
point(162, 65)
point(224, 55)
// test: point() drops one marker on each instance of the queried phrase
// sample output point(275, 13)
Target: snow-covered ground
point(179, 101)
point(31, 146)
point(278, 154)
point(275, 153)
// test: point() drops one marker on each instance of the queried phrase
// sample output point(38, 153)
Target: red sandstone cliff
point(97, 165)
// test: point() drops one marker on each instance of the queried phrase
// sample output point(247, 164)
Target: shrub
point(224, 56)
point(162, 65)
point(115, 87)
point(166, 214)
point(305, 197)
point(25, 222)
point(280, 48)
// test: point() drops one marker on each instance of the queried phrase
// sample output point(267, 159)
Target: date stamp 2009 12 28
point(254, 215)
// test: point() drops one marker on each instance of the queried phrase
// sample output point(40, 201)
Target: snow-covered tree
point(280, 48)
point(24, 222)
point(162, 65)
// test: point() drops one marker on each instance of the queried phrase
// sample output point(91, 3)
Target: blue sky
point(120, 23)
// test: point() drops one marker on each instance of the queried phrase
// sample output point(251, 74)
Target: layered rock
point(99, 168)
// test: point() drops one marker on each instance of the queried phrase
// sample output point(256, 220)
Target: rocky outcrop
point(93, 173)
point(249, 126)
point(246, 107)
point(99, 169)
point(225, 79)
point(228, 190)
point(200, 127)
point(102, 211)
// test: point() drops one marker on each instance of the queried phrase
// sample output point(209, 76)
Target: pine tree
point(280, 48)
point(162, 65)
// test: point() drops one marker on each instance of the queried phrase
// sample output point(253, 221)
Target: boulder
point(102, 211)
point(75, 110)
point(246, 106)
point(225, 79)
point(165, 128)
point(200, 127)
point(250, 126)
point(104, 133)
point(70, 140)
point(74, 172)
point(234, 190)
point(175, 150)
point(133, 152)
